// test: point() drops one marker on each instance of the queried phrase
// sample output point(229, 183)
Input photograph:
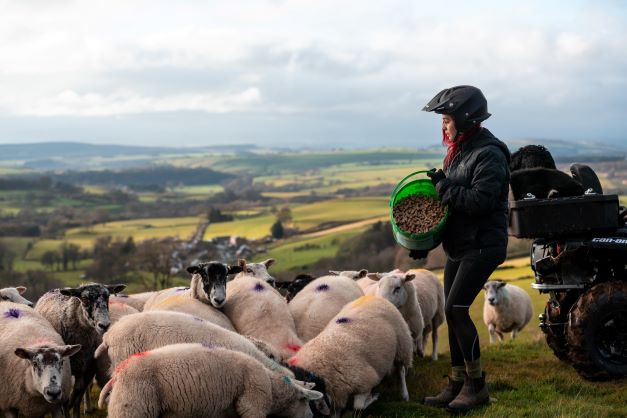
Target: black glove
point(436, 176)
point(418, 254)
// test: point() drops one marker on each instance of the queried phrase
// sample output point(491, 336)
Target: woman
point(474, 184)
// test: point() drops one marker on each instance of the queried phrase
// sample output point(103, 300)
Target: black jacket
point(476, 189)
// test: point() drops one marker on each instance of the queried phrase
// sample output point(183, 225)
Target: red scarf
point(454, 146)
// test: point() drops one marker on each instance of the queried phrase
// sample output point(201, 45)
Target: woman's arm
point(486, 185)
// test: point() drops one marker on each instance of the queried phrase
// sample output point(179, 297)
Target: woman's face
point(448, 125)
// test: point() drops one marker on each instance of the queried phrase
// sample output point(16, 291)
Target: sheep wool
point(430, 295)
point(314, 306)
point(153, 329)
point(507, 308)
point(360, 345)
point(192, 380)
point(20, 392)
point(258, 310)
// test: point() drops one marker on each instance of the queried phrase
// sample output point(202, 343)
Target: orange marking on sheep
point(173, 299)
point(124, 363)
point(293, 361)
point(364, 300)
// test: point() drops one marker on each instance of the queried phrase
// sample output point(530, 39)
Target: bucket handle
point(401, 183)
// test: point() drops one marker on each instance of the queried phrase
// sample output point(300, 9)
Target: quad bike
point(579, 257)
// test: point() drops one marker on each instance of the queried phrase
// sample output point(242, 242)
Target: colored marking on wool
point(258, 288)
point(292, 347)
point(181, 289)
point(287, 380)
point(198, 319)
point(293, 361)
point(342, 320)
point(124, 363)
point(322, 288)
point(364, 300)
point(12, 313)
point(209, 346)
point(173, 299)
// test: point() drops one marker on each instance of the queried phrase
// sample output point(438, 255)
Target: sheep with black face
point(80, 315)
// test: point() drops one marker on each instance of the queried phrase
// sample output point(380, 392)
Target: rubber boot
point(474, 393)
point(442, 399)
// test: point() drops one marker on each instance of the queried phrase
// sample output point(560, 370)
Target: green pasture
point(304, 217)
point(299, 255)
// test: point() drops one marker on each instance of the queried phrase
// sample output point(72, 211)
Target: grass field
point(304, 217)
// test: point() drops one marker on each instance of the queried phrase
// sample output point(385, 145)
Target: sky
point(321, 73)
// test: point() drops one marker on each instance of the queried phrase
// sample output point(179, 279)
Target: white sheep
point(506, 308)
point(258, 270)
point(36, 377)
point(181, 299)
point(14, 294)
point(362, 344)
point(152, 329)
point(399, 290)
point(313, 307)
point(430, 294)
point(258, 310)
point(193, 380)
point(136, 300)
point(80, 315)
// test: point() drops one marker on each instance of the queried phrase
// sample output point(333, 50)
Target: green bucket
point(411, 186)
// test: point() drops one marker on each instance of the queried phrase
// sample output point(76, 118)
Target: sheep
point(507, 308)
point(259, 270)
point(359, 346)
point(258, 310)
point(290, 289)
point(180, 299)
point(397, 288)
point(80, 315)
point(430, 294)
point(193, 380)
point(14, 294)
point(36, 379)
point(153, 329)
point(116, 311)
point(136, 301)
point(319, 302)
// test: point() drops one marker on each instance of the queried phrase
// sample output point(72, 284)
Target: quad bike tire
point(597, 332)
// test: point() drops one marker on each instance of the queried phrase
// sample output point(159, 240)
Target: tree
point(69, 253)
point(7, 256)
point(284, 215)
point(155, 257)
point(49, 258)
point(277, 230)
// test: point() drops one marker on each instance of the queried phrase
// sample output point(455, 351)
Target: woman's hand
point(436, 175)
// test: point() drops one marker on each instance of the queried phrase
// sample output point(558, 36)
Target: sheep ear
point(312, 395)
point(70, 291)
point(21, 289)
point(242, 263)
point(334, 272)
point(269, 262)
point(116, 288)
point(235, 269)
point(362, 273)
point(193, 269)
point(485, 286)
point(409, 277)
point(501, 284)
point(374, 276)
point(24, 353)
point(70, 350)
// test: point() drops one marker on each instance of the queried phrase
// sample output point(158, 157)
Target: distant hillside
point(581, 151)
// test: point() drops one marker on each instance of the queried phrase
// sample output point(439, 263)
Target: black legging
point(463, 280)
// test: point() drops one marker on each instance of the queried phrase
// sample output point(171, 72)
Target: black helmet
point(466, 104)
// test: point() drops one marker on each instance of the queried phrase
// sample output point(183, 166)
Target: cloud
point(70, 103)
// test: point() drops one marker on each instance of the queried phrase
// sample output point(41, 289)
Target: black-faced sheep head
point(47, 368)
point(492, 291)
point(213, 277)
point(94, 302)
point(296, 285)
point(258, 270)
